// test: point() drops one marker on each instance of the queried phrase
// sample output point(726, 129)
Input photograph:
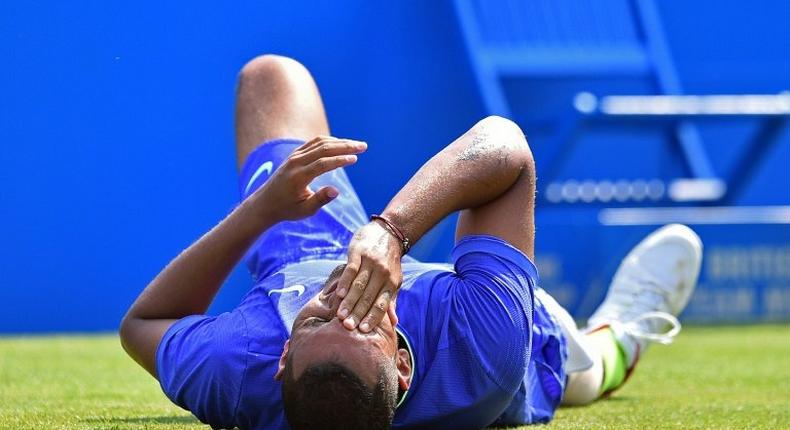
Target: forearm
point(475, 169)
point(189, 283)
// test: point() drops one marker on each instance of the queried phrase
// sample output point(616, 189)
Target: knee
point(271, 69)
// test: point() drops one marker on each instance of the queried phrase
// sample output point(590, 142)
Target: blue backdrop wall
point(116, 123)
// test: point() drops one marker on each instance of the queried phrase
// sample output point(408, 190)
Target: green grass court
point(712, 377)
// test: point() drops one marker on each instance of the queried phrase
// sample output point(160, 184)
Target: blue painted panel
point(116, 126)
point(116, 131)
point(745, 274)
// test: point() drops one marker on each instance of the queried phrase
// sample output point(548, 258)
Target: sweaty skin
point(481, 173)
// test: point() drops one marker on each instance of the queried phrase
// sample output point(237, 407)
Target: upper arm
point(511, 215)
point(200, 364)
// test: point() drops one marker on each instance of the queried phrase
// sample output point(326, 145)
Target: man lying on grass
point(319, 342)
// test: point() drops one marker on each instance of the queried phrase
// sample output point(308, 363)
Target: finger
point(355, 291)
point(365, 302)
point(377, 311)
point(348, 275)
point(323, 165)
point(320, 198)
point(392, 314)
point(312, 143)
point(331, 148)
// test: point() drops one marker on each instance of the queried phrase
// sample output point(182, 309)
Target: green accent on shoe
point(614, 359)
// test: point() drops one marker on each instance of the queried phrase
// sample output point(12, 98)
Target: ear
point(283, 358)
point(403, 363)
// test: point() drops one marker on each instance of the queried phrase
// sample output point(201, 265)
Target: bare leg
point(276, 97)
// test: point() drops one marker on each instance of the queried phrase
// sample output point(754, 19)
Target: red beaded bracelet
point(395, 231)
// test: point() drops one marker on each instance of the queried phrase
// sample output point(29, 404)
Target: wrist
point(393, 243)
point(397, 237)
point(404, 219)
point(257, 213)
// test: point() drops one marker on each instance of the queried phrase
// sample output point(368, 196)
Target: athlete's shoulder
point(421, 282)
point(418, 275)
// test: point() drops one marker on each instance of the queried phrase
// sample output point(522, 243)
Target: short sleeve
point(470, 326)
point(201, 362)
point(492, 306)
point(485, 248)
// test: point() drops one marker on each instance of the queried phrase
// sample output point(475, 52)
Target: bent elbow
point(507, 142)
point(125, 331)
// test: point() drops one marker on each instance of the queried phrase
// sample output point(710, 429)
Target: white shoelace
point(634, 327)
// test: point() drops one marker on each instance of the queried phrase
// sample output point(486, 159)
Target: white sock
point(584, 387)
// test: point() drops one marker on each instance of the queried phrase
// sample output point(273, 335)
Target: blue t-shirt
point(484, 350)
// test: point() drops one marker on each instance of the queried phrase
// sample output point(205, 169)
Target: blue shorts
point(325, 235)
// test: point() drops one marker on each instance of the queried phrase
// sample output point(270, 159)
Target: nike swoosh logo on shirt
point(265, 167)
point(298, 288)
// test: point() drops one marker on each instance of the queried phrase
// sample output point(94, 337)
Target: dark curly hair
point(329, 396)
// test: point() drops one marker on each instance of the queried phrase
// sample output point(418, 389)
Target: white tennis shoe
point(650, 289)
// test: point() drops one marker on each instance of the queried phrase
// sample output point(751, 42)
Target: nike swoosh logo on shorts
point(265, 167)
point(298, 288)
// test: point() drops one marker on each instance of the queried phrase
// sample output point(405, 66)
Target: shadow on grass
point(613, 399)
point(619, 398)
point(164, 419)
